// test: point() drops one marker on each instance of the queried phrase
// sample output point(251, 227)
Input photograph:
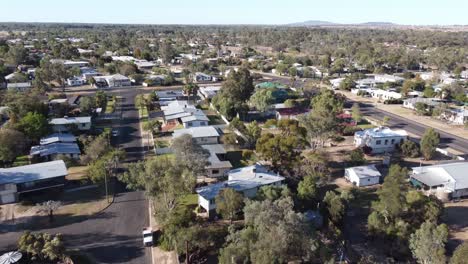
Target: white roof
point(443, 174)
point(70, 120)
point(197, 132)
point(56, 137)
point(364, 171)
point(381, 132)
point(33, 172)
point(55, 148)
point(240, 180)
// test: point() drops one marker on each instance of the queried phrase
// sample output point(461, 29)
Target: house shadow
point(455, 218)
point(41, 222)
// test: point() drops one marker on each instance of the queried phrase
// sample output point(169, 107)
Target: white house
point(456, 116)
point(385, 94)
point(202, 77)
point(411, 102)
point(383, 78)
point(247, 181)
point(21, 87)
point(64, 124)
point(203, 135)
point(363, 175)
point(116, 80)
point(208, 92)
point(76, 81)
point(30, 178)
point(446, 181)
point(380, 139)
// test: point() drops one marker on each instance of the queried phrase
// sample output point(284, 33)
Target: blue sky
point(417, 12)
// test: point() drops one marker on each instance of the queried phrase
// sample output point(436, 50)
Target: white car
point(115, 132)
point(148, 240)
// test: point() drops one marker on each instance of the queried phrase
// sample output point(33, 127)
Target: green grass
point(21, 161)
point(189, 201)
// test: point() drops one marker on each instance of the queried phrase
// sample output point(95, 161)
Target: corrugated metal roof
point(443, 174)
point(364, 171)
point(197, 132)
point(33, 172)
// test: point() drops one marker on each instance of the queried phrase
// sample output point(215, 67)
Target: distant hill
point(312, 23)
point(379, 24)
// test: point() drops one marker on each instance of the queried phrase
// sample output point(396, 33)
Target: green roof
point(270, 85)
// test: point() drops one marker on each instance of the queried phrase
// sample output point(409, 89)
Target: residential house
point(363, 175)
point(247, 181)
point(22, 180)
point(290, 113)
point(184, 113)
point(166, 97)
point(67, 123)
point(111, 81)
point(58, 138)
point(385, 94)
point(446, 181)
point(76, 81)
point(456, 116)
point(153, 80)
point(20, 87)
point(384, 78)
point(145, 65)
point(411, 102)
point(218, 166)
point(200, 77)
point(336, 82)
point(208, 92)
point(380, 139)
point(203, 135)
point(51, 151)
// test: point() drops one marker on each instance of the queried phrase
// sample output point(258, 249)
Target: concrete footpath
point(158, 255)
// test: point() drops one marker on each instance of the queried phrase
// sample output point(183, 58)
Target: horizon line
point(294, 24)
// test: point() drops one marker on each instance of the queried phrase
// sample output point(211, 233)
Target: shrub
point(350, 130)
point(356, 157)
point(409, 149)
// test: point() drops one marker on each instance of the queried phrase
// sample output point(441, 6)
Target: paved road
point(447, 140)
point(129, 125)
point(114, 235)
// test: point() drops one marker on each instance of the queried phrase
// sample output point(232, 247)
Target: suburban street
point(113, 235)
point(446, 139)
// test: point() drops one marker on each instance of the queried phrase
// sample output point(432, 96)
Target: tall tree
point(189, 154)
point(12, 144)
point(429, 142)
point(262, 99)
point(228, 203)
point(34, 125)
point(460, 255)
point(428, 243)
point(41, 247)
point(356, 112)
point(273, 233)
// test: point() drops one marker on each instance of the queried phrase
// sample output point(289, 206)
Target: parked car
point(148, 239)
point(115, 132)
